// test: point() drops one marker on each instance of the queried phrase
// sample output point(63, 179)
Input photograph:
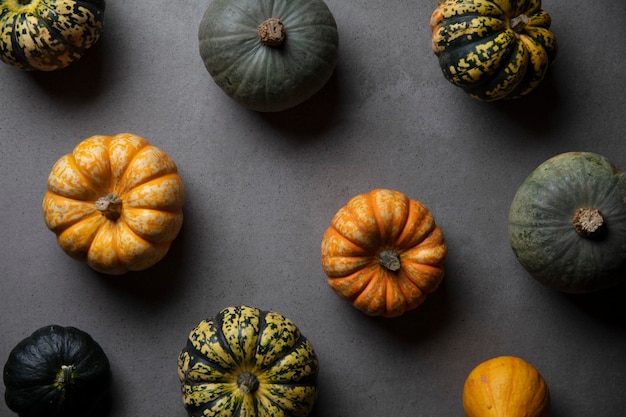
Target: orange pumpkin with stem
point(115, 203)
point(384, 253)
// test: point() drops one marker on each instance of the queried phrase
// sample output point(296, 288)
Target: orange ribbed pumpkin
point(115, 202)
point(384, 253)
point(505, 386)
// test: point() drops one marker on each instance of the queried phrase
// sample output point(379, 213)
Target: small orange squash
point(115, 203)
point(384, 253)
point(505, 386)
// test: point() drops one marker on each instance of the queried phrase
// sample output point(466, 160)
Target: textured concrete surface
point(262, 189)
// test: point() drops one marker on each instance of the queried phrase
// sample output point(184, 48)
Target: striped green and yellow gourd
point(48, 35)
point(249, 363)
point(493, 49)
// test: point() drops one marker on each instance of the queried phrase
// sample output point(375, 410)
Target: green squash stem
point(64, 376)
point(272, 32)
point(390, 260)
point(518, 23)
point(110, 206)
point(588, 222)
point(247, 382)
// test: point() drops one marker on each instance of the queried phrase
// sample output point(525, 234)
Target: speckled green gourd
point(249, 363)
point(567, 223)
point(493, 49)
point(269, 55)
point(48, 35)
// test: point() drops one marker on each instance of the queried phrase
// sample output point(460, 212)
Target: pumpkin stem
point(588, 222)
point(64, 376)
point(519, 23)
point(272, 32)
point(110, 206)
point(390, 260)
point(247, 382)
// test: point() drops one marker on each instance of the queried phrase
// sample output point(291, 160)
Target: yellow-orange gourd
point(384, 253)
point(505, 386)
point(115, 203)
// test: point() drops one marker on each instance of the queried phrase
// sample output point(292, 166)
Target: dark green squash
point(48, 35)
point(56, 372)
point(493, 49)
point(248, 362)
point(269, 55)
point(567, 223)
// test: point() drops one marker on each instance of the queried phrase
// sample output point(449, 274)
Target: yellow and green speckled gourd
point(248, 363)
point(48, 35)
point(493, 49)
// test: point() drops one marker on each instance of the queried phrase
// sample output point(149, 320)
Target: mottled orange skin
point(150, 215)
point(369, 225)
point(505, 386)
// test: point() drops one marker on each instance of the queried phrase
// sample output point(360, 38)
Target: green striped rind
point(240, 329)
point(539, 58)
point(464, 30)
point(48, 35)
point(479, 51)
point(245, 339)
point(478, 62)
point(505, 76)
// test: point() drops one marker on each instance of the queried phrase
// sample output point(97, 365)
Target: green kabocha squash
point(269, 55)
point(247, 362)
point(567, 223)
point(56, 372)
point(48, 35)
point(493, 49)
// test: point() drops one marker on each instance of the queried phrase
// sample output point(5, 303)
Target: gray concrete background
point(262, 189)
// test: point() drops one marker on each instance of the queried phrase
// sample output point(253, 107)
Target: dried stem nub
point(272, 32)
point(110, 206)
point(390, 260)
point(247, 382)
point(518, 23)
point(589, 222)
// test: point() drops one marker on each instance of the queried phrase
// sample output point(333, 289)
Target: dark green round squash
point(48, 35)
point(567, 223)
point(56, 372)
point(269, 55)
